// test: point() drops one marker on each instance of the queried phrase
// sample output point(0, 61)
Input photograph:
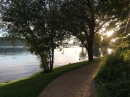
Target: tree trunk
point(90, 52)
point(52, 50)
point(52, 59)
point(90, 48)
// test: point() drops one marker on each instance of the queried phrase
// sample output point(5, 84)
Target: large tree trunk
point(90, 52)
point(90, 46)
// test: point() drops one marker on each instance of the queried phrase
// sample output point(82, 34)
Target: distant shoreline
point(12, 46)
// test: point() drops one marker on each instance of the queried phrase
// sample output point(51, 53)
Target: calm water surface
point(17, 62)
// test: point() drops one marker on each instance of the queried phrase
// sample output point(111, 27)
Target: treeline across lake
point(5, 42)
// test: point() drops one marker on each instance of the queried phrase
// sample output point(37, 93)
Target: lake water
point(17, 62)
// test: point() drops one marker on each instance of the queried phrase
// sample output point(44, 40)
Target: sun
point(109, 33)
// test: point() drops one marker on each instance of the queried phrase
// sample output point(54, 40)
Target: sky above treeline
point(1, 33)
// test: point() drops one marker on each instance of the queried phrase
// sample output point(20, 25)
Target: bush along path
point(75, 83)
point(113, 77)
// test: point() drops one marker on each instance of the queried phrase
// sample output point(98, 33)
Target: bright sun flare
point(109, 33)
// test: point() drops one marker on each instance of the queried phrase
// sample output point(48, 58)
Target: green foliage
point(38, 23)
point(114, 89)
point(123, 42)
point(84, 18)
point(117, 12)
point(118, 8)
point(80, 20)
point(113, 77)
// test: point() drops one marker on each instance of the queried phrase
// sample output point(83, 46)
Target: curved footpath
point(75, 83)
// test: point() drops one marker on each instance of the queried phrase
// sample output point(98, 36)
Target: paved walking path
point(75, 83)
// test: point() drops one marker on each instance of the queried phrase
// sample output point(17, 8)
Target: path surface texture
point(75, 83)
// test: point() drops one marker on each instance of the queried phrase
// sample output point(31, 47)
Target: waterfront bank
point(26, 87)
point(17, 62)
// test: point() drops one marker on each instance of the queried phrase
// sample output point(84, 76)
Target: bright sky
point(109, 33)
point(71, 41)
point(1, 33)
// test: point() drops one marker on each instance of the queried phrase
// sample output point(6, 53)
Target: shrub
point(113, 77)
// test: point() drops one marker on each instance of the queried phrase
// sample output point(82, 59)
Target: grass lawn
point(32, 86)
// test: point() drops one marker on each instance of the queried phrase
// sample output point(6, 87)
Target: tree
point(119, 9)
point(37, 23)
point(84, 18)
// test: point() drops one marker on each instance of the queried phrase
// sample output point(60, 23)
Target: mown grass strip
point(32, 86)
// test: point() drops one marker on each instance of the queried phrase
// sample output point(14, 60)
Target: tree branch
point(99, 27)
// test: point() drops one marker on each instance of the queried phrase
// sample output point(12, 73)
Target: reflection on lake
point(17, 62)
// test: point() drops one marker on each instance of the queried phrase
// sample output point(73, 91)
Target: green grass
point(32, 86)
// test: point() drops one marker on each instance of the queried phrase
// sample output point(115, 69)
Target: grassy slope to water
point(32, 86)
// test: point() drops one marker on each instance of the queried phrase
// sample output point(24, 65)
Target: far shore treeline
point(5, 42)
